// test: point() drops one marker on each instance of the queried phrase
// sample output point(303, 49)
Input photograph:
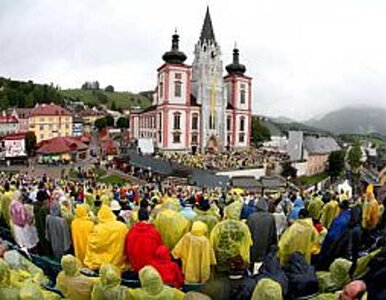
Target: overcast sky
point(307, 57)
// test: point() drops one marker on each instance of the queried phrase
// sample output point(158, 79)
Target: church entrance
point(213, 145)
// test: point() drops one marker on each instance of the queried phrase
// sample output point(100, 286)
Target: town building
point(8, 124)
point(50, 120)
point(195, 107)
point(13, 147)
point(309, 154)
point(22, 114)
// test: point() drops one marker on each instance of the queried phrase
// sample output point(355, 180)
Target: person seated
point(267, 289)
point(152, 287)
point(196, 253)
point(72, 284)
point(109, 287)
point(170, 271)
point(106, 241)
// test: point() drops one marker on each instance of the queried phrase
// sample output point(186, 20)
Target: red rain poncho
point(169, 271)
point(142, 242)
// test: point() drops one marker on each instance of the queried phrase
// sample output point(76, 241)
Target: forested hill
point(26, 94)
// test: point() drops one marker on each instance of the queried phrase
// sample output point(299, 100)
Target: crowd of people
point(182, 243)
point(227, 160)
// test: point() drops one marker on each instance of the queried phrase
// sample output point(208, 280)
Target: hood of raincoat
point(13, 258)
point(162, 254)
point(81, 212)
point(233, 210)
point(70, 265)
point(267, 289)
point(5, 274)
point(262, 205)
point(55, 209)
point(151, 280)
point(339, 270)
point(199, 228)
point(106, 215)
point(30, 292)
point(110, 276)
point(105, 199)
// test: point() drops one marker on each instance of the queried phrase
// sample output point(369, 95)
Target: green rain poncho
point(153, 287)
point(72, 284)
point(172, 226)
point(230, 238)
point(233, 210)
point(267, 289)
point(8, 290)
point(109, 287)
point(337, 276)
point(23, 269)
point(5, 202)
point(31, 292)
point(315, 208)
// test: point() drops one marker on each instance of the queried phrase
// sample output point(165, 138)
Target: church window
point(242, 94)
point(195, 122)
point(241, 137)
point(229, 92)
point(212, 54)
point(178, 76)
point(176, 137)
point(242, 124)
point(177, 121)
point(161, 90)
point(159, 136)
point(229, 139)
point(177, 89)
point(229, 123)
point(194, 138)
point(212, 122)
point(160, 120)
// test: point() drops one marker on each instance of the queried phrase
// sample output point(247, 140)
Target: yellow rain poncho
point(315, 208)
point(5, 202)
point(267, 289)
point(196, 254)
point(329, 213)
point(106, 241)
point(72, 284)
point(152, 287)
point(233, 210)
point(208, 218)
point(23, 269)
point(31, 292)
point(370, 215)
point(109, 287)
point(81, 227)
point(337, 276)
point(7, 290)
point(172, 226)
point(230, 238)
point(300, 236)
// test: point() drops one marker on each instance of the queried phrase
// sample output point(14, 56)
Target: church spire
point(207, 33)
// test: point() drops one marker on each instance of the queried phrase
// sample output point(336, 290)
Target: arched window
point(212, 122)
point(194, 121)
point(177, 121)
point(177, 89)
point(161, 90)
point(243, 93)
point(242, 124)
point(229, 123)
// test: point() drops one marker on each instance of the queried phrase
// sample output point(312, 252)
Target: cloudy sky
point(307, 57)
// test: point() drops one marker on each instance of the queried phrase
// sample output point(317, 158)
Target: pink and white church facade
point(195, 107)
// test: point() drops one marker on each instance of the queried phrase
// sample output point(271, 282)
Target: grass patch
point(310, 180)
point(123, 100)
point(113, 179)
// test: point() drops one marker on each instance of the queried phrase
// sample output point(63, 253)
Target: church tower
point(207, 88)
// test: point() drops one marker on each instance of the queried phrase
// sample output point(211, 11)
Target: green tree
point(109, 88)
point(113, 106)
point(30, 143)
point(336, 163)
point(123, 123)
point(259, 132)
point(4, 101)
point(100, 123)
point(354, 158)
point(109, 121)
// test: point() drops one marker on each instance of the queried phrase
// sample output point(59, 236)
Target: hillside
point(122, 100)
point(355, 120)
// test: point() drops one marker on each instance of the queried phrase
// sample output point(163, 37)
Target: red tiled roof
point(49, 110)
point(8, 119)
point(109, 147)
point(61, 145)
point(15, 136)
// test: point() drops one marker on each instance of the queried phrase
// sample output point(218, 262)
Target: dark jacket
point(263, 230)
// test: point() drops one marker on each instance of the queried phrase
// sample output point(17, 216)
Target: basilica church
point(195, 107)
